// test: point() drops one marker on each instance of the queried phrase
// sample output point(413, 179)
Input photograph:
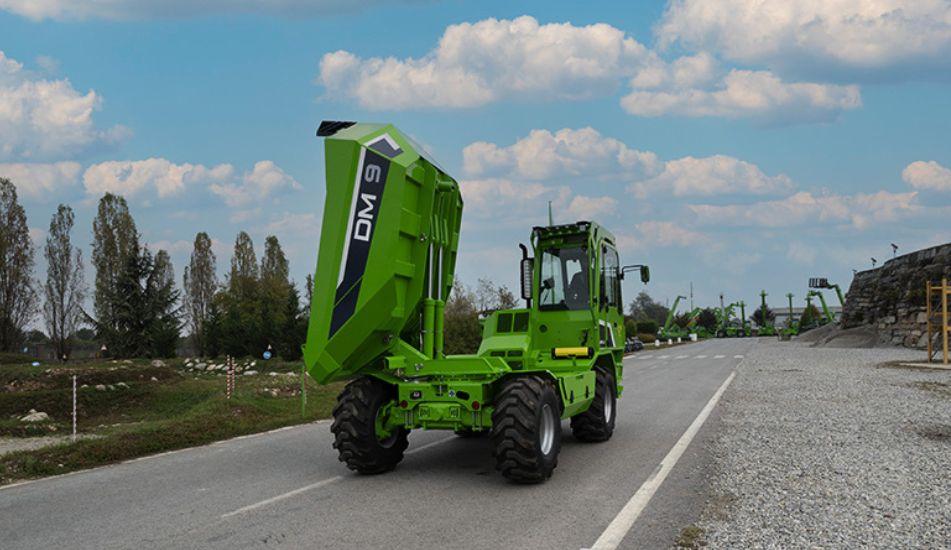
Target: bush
point(647, 338)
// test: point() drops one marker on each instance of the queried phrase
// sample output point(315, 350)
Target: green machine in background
point(670, 330)
point(385, 268)
point(767, 328)
point(827, 315)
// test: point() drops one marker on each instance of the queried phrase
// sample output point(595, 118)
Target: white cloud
point(927, 176)
point(44, 119)
point(566, 152)
point(665, 233)
point(804, 208)
point(583, 207)
point(41, 181)
point(870, 35)
point(263, 181)
point(687, 89)
point(801, 253)
point(290, 224)
point(478, 63)
point(163, 9)
point(166, 179)
point(716, 175)
point(483, 197)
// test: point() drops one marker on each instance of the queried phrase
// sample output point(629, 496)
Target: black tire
point(354, 428)
point(526, 429)
point(597, 422)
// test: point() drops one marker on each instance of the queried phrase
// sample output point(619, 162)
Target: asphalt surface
point(287, 489)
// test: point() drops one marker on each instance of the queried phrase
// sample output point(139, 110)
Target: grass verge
point(144, 410)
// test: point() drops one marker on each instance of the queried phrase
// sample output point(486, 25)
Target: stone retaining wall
point(891, 298)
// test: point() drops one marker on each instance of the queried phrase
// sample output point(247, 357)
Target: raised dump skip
point(387, 254)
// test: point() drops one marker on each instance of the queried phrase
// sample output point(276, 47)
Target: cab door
point(610, 304)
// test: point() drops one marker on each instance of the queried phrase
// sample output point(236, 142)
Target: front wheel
point(526, 429)
point(358, 436)
point(597, 422)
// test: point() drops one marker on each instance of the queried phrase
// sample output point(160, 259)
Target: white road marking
point(279, 498)
point(737, 356)
point(612, 537)
point(646, 356)
point(316, 485)
point(682, 356)
point(719, 356)
point(701, 357)
point(663, 357)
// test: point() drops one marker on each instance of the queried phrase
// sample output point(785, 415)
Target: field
point(127, 409)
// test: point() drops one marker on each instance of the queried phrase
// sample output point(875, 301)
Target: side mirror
point(527, 268)
point(645, 274)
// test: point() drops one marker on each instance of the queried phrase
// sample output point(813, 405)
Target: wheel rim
point(608, 405)
point(547, 429)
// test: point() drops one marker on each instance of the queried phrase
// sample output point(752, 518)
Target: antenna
point(550, 221)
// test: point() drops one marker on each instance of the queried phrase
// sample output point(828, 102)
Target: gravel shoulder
point(828, 448)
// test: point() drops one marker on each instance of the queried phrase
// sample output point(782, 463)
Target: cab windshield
point(564, 279)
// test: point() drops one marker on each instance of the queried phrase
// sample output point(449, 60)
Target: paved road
point(286, 488)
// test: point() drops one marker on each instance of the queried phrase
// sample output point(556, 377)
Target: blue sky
point(740, 153)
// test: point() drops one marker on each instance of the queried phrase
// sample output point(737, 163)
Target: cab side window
point(610, 279)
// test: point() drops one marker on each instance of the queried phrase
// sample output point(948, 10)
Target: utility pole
point(551, 221)
point(691, 295)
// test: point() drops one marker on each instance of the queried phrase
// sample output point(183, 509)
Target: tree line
point(137, 308)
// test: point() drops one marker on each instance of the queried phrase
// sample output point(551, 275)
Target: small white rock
point(250, 373)
point(34, 416)
point(100, 387)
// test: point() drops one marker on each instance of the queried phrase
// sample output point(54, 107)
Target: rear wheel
point(526, 429)
point(358, 436)
point(597, 423)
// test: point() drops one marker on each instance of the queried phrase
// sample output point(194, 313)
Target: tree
point(489, 298)
point(65, 285)
point(275, 292)
point(240, 327)
point(809, 318)
point(17, 294)
point(462, 330)
point(162, 298)
point(115, 247)
point(707, 319)
point(763, 316)
point(644, 308)
point(200, 282)
point(308, 292)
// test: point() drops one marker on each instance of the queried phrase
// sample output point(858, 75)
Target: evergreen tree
point(65, 285)
point(164, 328)
point(115, 251)
point(241, 318)
point(200, 282)
point(275, 292)
point(17, 294)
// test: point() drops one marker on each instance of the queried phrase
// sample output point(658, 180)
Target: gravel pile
point(820, 448)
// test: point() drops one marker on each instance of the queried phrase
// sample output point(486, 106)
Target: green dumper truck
point(388, 245)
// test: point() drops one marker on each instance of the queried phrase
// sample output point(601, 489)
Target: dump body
point(385, 267)
point(387, 249)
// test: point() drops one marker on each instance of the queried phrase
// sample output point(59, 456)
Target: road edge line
point(614, 534)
